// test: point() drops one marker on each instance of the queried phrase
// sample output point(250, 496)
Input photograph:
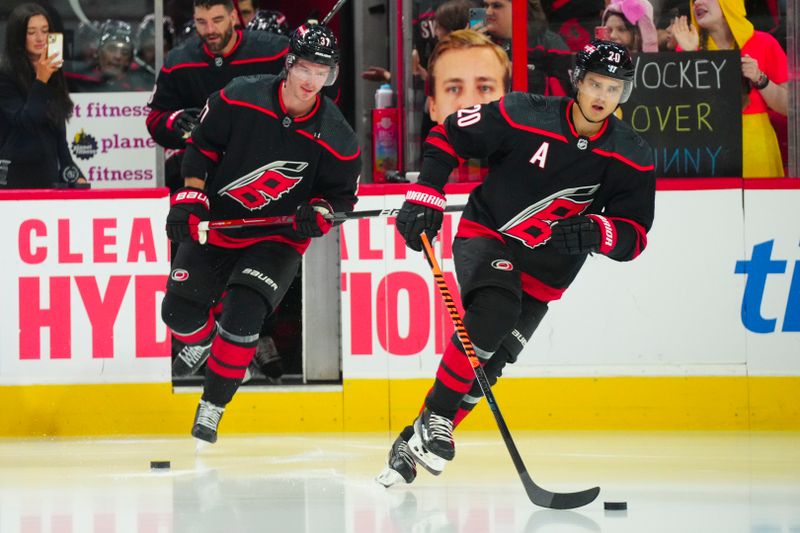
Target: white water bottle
point(384, 96)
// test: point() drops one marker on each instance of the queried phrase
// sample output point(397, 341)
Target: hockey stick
point(343, 216)
point(335, 9)
point(537, 495)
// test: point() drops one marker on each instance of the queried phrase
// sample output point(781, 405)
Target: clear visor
point(318, 72)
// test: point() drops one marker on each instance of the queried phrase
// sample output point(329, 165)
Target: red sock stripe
point(225, 372)
point(230, 354)
point(461, 414)
point(202, 335)
point(444, 376)
point(458, 363)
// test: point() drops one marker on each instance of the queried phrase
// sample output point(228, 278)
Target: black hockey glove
point(313, 219)
point(187, 207)
point(423, 210)
point(184, 121)
point(581, 234)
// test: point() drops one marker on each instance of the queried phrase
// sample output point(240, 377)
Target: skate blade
point(200, 445)
point(389, 477)
point(429, 461)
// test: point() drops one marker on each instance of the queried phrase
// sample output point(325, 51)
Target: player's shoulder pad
point(263, 44)
point(533, 110)
point(625, 142)
point(335, 134)
point(189, 51)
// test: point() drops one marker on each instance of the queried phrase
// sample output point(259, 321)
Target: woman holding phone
point(34, 107)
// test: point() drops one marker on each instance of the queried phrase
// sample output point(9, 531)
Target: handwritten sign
point(688, 106)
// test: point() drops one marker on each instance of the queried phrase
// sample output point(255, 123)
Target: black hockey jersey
point(259, 162)
point(540, 171)
point(192, 72)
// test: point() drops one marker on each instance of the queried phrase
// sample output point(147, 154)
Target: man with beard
point(205, 63)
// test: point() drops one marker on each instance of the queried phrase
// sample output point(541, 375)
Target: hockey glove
point(184, 121)
point(423, 210)
point(582, 235)
point(313, 219)
point(187, 207)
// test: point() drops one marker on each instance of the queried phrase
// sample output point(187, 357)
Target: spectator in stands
point(145, 55)
point(34, 107)
point(549, 57)
point(630, 24)
point(246, 11)
point(112, 68)
point(723, 25)
point(451, 16)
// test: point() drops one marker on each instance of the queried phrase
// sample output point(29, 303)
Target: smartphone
point(477, 16)
point(601, 32)
point(55, 45)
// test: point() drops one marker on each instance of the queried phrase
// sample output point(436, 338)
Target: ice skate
point(400, 465)
point(206, 420)
point(190, 359)
point(267, 360)
point(432, 443)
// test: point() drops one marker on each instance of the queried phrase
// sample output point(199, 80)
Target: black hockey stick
point(537, 495)
point(342, 216)
point(335, 9)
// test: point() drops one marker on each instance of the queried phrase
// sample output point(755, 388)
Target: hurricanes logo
point(265, 184)
point(84, 146)
point(179, 274)
point(502, 264)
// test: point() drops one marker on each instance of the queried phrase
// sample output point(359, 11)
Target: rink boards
point(701, 332)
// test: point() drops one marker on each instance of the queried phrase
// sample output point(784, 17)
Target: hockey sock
point(227, 365)
point(454, 379)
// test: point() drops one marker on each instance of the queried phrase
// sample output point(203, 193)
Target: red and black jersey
point(540, 171)
point(192, 72)
point(258, 161)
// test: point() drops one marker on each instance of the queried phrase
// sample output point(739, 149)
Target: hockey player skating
point(265, 146)
point(566, 179)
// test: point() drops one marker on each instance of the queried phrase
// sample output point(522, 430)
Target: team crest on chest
point(265, 184)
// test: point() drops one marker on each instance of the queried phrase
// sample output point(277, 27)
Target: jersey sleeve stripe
point(643, 168)
point(531, 129)
point(214, 156)
point(330, 148)
point(641, 233)
point(443, 145)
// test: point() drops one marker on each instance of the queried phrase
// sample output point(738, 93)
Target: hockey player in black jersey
point(566, 179)
point(206, 63)
point(265, 146)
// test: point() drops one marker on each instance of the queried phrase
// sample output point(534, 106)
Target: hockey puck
point(615, 506)
point(159, 465)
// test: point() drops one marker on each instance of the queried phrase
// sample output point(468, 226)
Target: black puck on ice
point(159, 465)
point(615, 506)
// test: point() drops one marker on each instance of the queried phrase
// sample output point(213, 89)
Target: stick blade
point(557, 500)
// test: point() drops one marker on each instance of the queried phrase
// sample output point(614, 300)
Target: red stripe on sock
point(444, 377)
point(225, 372)
point(200, 336)
point(232, 354)
point(461, 414)
point(457, 362)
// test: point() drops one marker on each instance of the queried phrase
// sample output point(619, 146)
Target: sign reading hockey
point(687, 106)
point(83, 285)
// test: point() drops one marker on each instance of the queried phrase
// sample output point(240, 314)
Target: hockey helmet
point(316, 43)
point(607, 59)
point(269, 20)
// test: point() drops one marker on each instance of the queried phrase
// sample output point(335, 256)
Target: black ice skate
point(432, 443)
point(190, 359)
point(206, 420)
point(400, 465)
point(267, 360)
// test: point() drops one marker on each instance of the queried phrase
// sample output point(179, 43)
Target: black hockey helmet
point(607, 59)
point(316, 43)
point(269, 20)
